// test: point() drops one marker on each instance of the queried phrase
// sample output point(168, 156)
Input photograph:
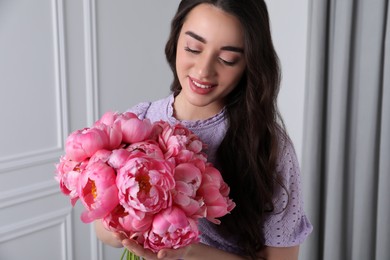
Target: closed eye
point(225, 62)
point(228, 63)
point(191, 50)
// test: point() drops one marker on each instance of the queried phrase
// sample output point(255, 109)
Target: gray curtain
point(346, 154)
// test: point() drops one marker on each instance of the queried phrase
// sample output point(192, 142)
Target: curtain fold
point(382, 223)
point(346, 152)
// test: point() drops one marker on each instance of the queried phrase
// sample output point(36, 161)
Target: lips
point(200, 87)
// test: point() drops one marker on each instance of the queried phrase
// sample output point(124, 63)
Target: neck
point(185, 111)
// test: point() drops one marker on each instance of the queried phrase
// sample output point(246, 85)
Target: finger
point(171, 253)
point(119, 236)
point(161, 254)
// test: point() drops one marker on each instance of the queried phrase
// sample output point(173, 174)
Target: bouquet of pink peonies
point(151, 182)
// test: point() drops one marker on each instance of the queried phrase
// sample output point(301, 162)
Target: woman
point(226, 81)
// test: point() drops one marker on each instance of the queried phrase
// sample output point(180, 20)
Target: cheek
point(182, 63)
point(233, 77)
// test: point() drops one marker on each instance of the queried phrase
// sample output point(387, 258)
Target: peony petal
point(160, 224)
point(182, 200)
point(182, 187)
point(97, 190)
point(187, 172)
point(135, 130)
point(171, 229)
point(118, 158)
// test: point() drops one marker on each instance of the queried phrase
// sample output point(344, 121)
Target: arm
point(201, 251)
point(280, 253)
point(204, 252)
point(106, 236)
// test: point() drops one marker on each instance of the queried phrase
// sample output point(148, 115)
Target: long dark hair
point(248, 153)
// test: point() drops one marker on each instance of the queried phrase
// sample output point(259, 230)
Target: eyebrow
point(203, 40)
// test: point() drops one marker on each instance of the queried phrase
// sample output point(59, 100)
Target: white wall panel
point(27, 176)
point(27, 193)
point(35, 221)
point(32, 82)
point(37, 238)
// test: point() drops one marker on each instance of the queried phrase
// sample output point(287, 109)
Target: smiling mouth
point(199, 85)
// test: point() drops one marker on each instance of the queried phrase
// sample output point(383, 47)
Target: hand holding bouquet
point(151, 182)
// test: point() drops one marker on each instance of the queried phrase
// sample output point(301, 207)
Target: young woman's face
point(209, 59)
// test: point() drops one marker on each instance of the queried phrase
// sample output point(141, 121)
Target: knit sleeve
point(287, 225)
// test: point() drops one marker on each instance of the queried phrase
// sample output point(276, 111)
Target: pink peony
point(145, 185)
point(120, 221)
point(136, 227)
point(215, 194)
point(188, 178)
point(102, 155)
point(118, 158)
point(133, 129)
point(150, 148)
point(112, 220)
point(114, 134)
point(97, 190)
point(68, 173)
point(82, 144)
point(171, 228)
point(109, 118)
point(177, 138)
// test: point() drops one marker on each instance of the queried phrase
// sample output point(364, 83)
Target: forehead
point(215, 25)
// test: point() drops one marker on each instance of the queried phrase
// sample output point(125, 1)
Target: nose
point(205, 66)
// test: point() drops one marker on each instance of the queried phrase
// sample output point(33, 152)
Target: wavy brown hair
point(247, 155)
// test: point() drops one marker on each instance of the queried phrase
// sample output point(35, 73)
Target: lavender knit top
point(287, 225)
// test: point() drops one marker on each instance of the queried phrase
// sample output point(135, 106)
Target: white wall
point(132, 64)
point(289, 24)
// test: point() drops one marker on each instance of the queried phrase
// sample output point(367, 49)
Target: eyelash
point(227, 63)
point(191, 50)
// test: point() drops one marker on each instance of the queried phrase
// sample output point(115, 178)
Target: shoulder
point(288, 224)
point(140, 109)
point(155, 110)
point(287, 159)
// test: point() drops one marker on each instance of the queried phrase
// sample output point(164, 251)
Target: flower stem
point(123, 255)
point(129, 255)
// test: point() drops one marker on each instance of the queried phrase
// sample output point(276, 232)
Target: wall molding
point(91, 61)
point(67, 238)
point(60, 218)
point(28, 193)
point(24, 160)
point(60, 69)
point(92, 90)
